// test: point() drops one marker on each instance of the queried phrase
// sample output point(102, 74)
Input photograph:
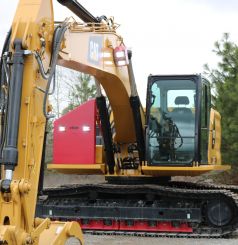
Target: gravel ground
point(123, 240)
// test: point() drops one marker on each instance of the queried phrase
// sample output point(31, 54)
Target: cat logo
point(95, 49)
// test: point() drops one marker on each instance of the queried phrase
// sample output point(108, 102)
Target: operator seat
point(184, 119)
point(182, 113)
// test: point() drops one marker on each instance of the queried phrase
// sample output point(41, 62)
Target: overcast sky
point(166, 37)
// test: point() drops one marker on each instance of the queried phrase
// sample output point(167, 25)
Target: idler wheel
point(219, 213)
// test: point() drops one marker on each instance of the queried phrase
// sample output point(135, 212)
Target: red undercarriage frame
point(136, 226)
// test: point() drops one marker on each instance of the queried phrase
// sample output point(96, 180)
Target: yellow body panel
point(144, 171)
point(214, 141)
point(60, 232)
point(182, 171)
point(99, 154)
point(78, 168)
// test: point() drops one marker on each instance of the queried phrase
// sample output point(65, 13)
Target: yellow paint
point(114, 80)
point(99, 154)
point(214, 141)
point(78, 168)
point(182, 171)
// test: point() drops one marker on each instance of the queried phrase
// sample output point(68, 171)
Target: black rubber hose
point(59, 34)
point(4, 49)
point(3, 100)
point(79, 10)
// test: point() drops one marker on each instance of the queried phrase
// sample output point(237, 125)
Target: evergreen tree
point(225, 82)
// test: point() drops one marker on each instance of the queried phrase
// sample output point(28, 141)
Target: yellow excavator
point(179, 135)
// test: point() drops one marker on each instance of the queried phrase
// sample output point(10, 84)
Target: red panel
point(100, 225)
point(75, 135)
point(136, 226)
point(159, 227)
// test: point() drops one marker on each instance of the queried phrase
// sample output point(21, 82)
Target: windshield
point(171, 126)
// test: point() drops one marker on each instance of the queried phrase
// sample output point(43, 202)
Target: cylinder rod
point(106, 132)
point(10, 152)
point(137, 111)
point(79, 10)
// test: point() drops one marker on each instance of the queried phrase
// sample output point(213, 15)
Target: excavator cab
point(178, 109)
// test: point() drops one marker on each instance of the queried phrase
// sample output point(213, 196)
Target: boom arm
point(81, 54)
point(91, 49)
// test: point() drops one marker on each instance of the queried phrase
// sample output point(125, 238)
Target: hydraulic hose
point(79, 10)
point(57, 39)
point(4, 101)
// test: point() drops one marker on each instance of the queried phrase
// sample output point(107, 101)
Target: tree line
point(224, 80)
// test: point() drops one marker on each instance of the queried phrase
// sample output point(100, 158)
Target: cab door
point(171, 132)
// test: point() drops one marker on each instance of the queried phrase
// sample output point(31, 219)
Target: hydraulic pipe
point(42, 166)
point(106, 132)
point(79, 10)
point(136, 110)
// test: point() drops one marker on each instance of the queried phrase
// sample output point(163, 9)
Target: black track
point(212, 211)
